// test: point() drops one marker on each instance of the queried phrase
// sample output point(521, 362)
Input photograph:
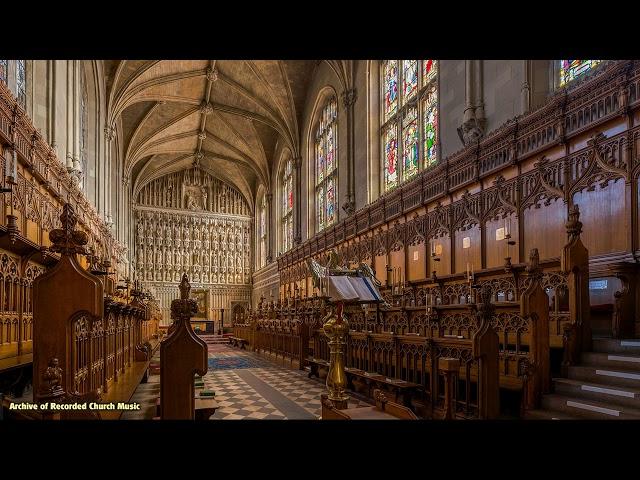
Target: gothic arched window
point(326, 166)
point(286, 186)
point(571, 69)
point(21, 83)
point(409, 123)
point(262, 232)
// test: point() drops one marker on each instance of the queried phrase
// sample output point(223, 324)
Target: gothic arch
point(373, 130)
point(260, 251)
point(322, 97)
point(284, 157)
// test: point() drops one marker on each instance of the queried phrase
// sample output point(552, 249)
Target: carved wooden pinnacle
point(574, 225)
point(66, 240)
point(533, 268)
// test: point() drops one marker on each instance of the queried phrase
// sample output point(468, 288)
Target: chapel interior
point(319, 239)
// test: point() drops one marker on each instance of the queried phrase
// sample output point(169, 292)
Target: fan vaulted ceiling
point(226, 114)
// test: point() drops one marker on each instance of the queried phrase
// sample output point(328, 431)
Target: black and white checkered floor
point(271, 392)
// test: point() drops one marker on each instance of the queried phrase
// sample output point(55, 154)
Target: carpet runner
point(229, 362)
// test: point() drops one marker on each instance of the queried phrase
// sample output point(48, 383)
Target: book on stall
point(349, 288)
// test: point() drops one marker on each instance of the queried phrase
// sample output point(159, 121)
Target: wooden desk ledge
point(16, 362)
point(123, 389)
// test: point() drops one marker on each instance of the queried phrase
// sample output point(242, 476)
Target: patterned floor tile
point(237, 399)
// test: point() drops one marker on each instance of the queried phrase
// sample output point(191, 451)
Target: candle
point(393, 280)
point(467, 270)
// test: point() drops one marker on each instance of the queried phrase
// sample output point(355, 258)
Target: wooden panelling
point(380, 264)
point(544, 228)
point(442, 248)
point(496, 250)
point(416, 262)
point(470, 255)
point(602, 211)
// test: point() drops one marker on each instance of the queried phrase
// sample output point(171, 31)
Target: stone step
point(607, 376)
point(630, 346)
point(548, 415)
point(613, 395)
point(612, 360)
point(584, 408)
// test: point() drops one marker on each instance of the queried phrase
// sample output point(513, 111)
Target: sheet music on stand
point(347, 288)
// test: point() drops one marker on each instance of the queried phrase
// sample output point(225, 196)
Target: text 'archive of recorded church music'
point(75, 406)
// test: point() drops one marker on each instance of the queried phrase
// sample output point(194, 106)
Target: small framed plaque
point(500, 234)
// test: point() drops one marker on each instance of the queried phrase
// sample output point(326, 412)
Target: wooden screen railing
point(415, 359)
point(284, 339)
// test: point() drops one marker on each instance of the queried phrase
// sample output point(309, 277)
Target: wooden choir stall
point(427, 343)
point(182, 355)
point(91, 342)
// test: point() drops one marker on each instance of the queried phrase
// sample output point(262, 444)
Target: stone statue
point(169, 198)
point(192, 203)
point(204, 198)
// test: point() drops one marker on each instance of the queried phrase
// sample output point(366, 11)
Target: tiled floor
point(247, 386)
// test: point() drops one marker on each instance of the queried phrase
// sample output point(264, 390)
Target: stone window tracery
point(409, 120)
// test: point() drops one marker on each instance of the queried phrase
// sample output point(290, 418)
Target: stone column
point(73, 124)
point(349, 98)
point(69, 153)
point(468, 91)
point(473, 122)
point(297, 210)
point(525, 91)
point(269, 197)
point(109, 134)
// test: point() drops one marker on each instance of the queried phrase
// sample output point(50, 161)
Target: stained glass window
point(263, 232)
point(409, 79)
point(21, 83)
point(571, 69)
point(409, 129)
point(390, 157)
point(429, 71)
point(430, 126)
point(287, 207)
point(327, 166)
point(4, 70)
point(390, 85)
point(410, 144)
